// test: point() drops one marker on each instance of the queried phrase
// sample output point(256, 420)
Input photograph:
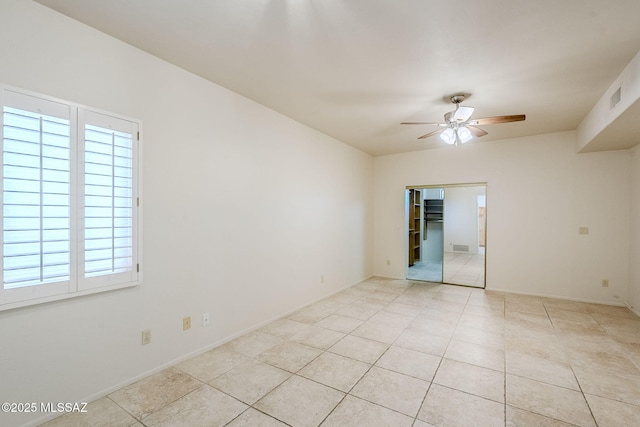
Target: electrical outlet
point(388, 262)
point(583, 230)
point(205, 319)
point(186, 323)
point(146, 336)
point(605, 283)
point(321, 279)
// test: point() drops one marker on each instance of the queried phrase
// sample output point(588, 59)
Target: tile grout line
point(327, 351)
point(348, 393)
point(439, 364)
point(558, 332)
point(504, 349)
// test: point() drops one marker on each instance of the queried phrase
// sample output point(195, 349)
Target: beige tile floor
point(464, 269)
point(458, 268)
point(401, 353)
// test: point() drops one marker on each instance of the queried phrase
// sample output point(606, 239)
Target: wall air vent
point(615, 99)
point(461, 248)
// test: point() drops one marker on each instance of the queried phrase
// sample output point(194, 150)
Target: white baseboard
point(561, 297)
point(633, 309)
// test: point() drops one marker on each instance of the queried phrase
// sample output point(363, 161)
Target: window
point(70, 200)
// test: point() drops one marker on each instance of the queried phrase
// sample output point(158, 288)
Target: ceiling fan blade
point(477, 132)
point(498, 119)
point(422, 123)
point(435, 132)
point(462, 113)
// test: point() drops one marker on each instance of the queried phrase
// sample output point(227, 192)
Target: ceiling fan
point(458, 128)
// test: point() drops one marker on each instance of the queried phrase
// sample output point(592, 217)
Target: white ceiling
point(355, 69)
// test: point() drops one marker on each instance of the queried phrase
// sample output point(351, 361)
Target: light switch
point(583, 230)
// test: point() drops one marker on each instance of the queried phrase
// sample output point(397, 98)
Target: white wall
point(539, 192)
point(211, 242)
point(634, 270)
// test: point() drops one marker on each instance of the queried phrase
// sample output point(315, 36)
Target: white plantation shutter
point(36, 189)
point(109, 188)
point(69, 200)
point(36, 194)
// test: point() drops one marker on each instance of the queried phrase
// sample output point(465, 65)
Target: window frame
point(78, 285)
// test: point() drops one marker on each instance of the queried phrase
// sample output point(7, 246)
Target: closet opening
point(446, 233)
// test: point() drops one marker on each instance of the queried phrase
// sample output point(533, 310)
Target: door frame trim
point(486, 229)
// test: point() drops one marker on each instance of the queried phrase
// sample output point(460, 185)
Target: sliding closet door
point(464, 227)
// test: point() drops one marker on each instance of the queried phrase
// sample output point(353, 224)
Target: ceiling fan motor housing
point(457, 99)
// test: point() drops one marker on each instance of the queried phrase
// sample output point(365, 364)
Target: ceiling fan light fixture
point(448, 136)
point(464, 134)
point(459, 127)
